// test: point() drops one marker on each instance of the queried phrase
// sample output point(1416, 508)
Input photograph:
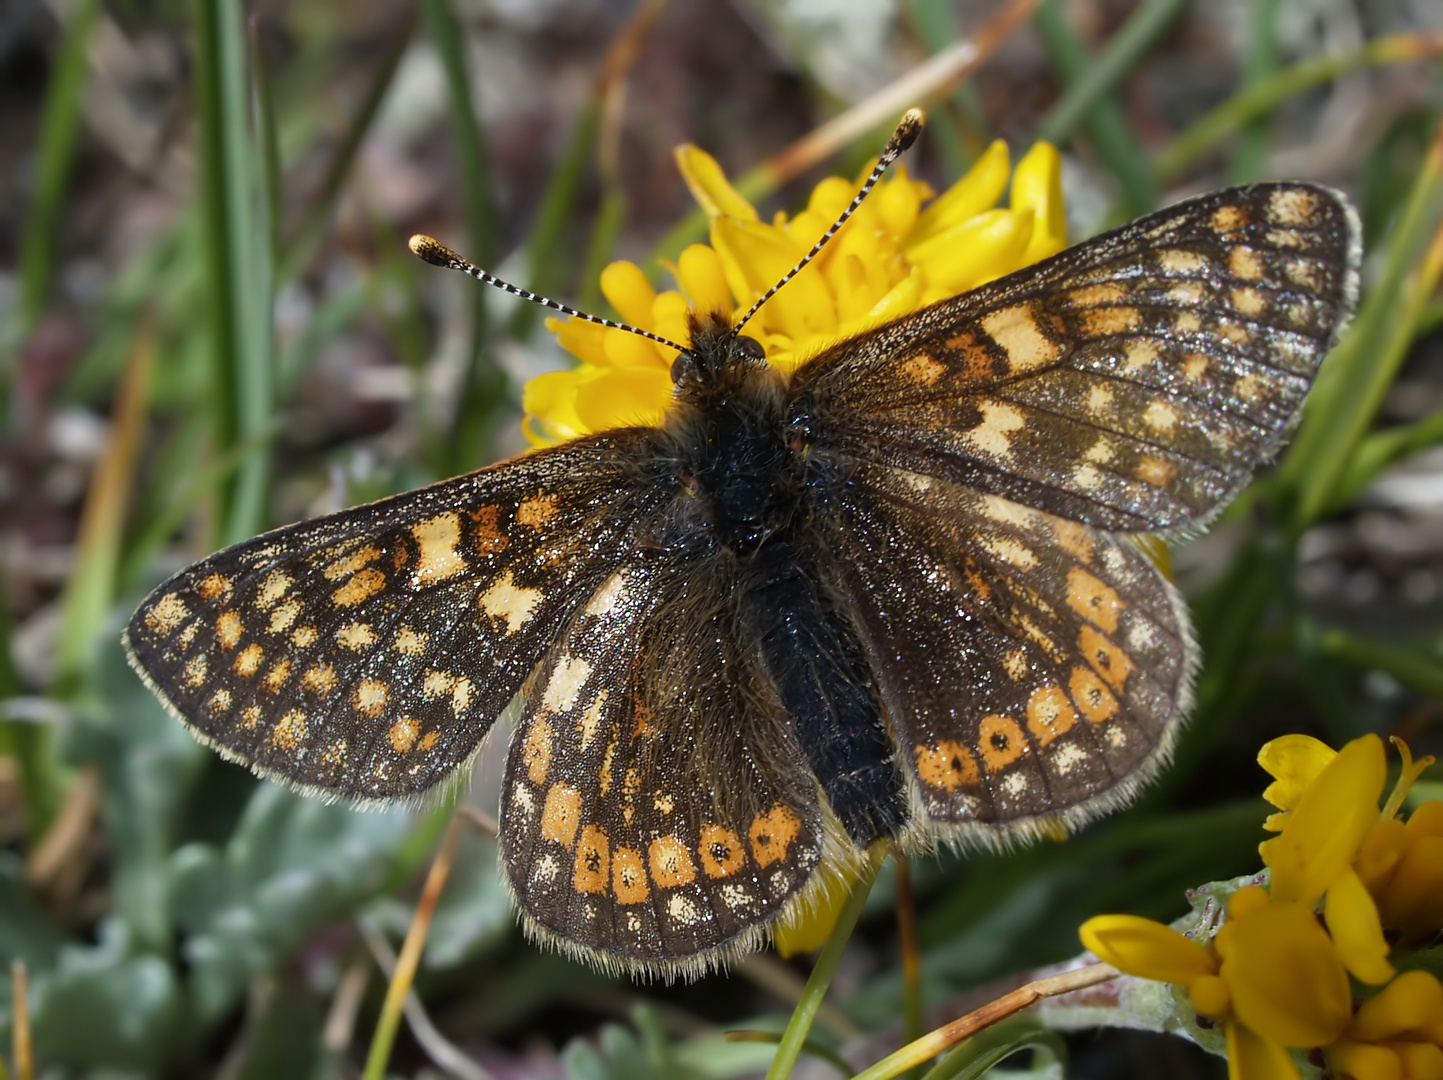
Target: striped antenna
point(438, 254)
point(908, 128)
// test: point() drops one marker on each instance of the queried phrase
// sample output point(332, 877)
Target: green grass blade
point(1104, 74)
point(1261, 64)
point(483, 382)
point(1106, 125)
point(1353, 382)
point(1260, 99)
point(59, 130)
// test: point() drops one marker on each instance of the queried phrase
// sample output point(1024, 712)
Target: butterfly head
point(718, 357)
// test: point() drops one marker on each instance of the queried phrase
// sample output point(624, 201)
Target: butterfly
point(896, 594)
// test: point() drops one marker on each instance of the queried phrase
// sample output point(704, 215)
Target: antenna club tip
point(430, 249)
point(908, 128)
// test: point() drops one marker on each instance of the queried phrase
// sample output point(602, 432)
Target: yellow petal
point(898, 205)
point(1286, 979)
point(900, 299)
point(979, 190)
point(1037, 186)
point(1412, 903)
point(1413, 1002)
point(1356, 930)
point(1421, 1061)
point(1407, 776)
point(762, 254)
point(1352, 1060)
point(580, 338)
point(1252, 1057)
point(1323, 835)
point(1381, 851)
point(627, 350)
point(669, 319)
point(630, 293)
point(1146, 949)
point(699, 270)
point(976, 251)
point(1427, 820)
point(551, 398)
point(624, 397)
point(1209, 996)
point(709, 185)
point(1296, 761)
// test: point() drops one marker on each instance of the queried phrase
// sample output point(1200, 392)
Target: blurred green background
point(210, 325)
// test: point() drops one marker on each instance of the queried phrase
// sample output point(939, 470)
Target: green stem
point(1261, 64)
point(800, 1024)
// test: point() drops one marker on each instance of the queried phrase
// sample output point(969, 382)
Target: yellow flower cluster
point(901, 250)
point(1275, 975)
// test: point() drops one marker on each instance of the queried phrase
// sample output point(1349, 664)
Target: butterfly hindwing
point(368, 652)
point(656, 807)
point(1030, 666)
point(1133, 382)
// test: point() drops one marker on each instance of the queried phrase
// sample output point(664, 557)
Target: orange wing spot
point(1049, 713)
point(1293, 206)
point(536, 751)
point(369, 697)
point(335, 754)
point(974, 578)
point(278, 674)
point(186, 636)
point(1017, 331)
point(643, 722)
point(248, 661)
point(485, 533)
point(351, 562)
point(400, 557)
point(591, 873)
point(195, 671)
point(275, 586)
point(1000, 741)
point(1092, 696)
point(1111, 321)
point(721, 851)
point(1073, 538)
point(319, 679)
point(250, 717)
point(1094, 600)
point(436, 539)
point(561, 816)
point(290, 730)
point(628, 876)
point(214, 585)
point(671, 864)
point(773, 833)
point(1181, 261)
point(409, 643)
point(168, 613)
point(1114, 665)
point(364, 585)
point(949, 765)
point(923, 369)
point(402, 734)
point(1229, 218)
point(228, 629)
point(428, 740)
point(356, 636)
point(219, 702)
point(537, 511)
point(1154, 469)
point(971, 359)
point(304, 637)
point(284, 615)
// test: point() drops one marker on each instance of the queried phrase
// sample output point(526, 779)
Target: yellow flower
point(902, 249)
point(1271, 976)
point(1396, 1035)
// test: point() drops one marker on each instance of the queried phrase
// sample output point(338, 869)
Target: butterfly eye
point(683, 363)
point(748, 348)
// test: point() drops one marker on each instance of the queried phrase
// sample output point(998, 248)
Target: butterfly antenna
point(908, 128)
point(438, 254)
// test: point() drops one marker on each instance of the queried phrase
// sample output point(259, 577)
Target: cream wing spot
point(565, 685)
point(436, 539)
point(167, 613)
point(1016, 330)
point(994, 434)
point(506, 600)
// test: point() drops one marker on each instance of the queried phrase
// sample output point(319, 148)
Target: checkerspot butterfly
point(894, 594)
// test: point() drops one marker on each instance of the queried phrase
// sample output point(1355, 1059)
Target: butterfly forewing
point(1040, 670)
point(657, 806)
point(1133, 383)
point(367, 653)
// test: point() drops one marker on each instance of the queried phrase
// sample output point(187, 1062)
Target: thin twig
point(22, 1048)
